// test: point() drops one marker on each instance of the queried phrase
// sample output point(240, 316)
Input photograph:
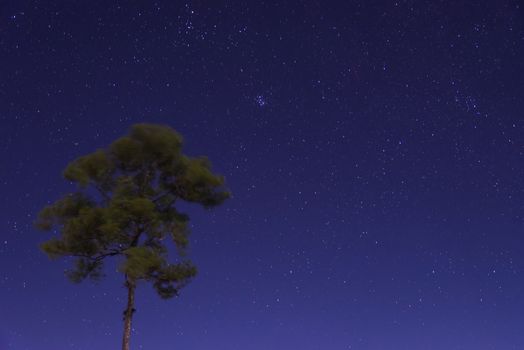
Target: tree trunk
point(128, 313)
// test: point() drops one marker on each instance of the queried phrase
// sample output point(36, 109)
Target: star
point(260, 100)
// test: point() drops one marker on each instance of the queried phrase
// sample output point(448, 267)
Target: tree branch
point(163, 195)
point(103, 193)
point(113, 252)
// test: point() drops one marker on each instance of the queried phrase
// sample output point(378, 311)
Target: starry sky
point(374, 149)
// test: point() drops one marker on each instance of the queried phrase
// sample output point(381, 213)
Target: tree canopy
point(124, 207)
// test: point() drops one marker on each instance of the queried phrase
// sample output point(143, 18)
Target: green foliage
point(171, 278)
point(85, 268)
point(125, 207)
point(141, 262)
point(95, 167)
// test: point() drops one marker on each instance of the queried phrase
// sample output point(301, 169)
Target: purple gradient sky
point(374, 150)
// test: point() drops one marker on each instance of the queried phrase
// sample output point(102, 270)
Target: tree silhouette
point(124, 207)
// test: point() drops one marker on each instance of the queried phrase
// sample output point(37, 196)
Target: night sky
point(374, 149)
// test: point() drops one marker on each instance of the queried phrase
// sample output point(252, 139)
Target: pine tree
point(124, 207)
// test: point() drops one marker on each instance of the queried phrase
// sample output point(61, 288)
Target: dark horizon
point(374, 150)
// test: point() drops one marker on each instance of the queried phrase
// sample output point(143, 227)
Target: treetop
point(125, 206)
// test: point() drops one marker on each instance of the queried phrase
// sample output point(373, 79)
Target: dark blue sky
point(374, 150)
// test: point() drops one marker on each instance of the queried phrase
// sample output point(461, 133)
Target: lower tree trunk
point(128, 313)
